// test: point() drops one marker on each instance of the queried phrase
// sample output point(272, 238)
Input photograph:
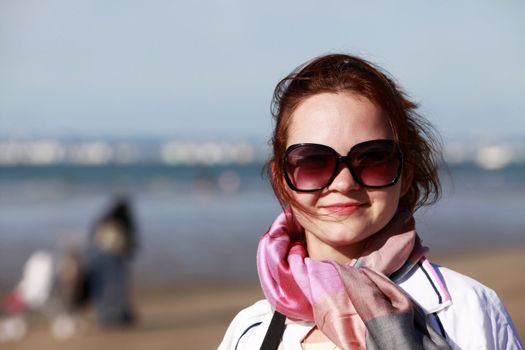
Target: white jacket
point(468, 314)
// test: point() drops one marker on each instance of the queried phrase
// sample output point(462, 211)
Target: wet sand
point(196, 317)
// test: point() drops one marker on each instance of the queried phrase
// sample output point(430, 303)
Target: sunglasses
point(310, 167)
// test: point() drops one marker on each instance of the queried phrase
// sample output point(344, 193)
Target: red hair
point(340, 73)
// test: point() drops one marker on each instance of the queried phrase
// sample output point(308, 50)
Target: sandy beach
point(196, 317)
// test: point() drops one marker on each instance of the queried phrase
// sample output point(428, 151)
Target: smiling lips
point(342, 208)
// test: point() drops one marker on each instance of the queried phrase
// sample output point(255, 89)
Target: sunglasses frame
point(342, 160)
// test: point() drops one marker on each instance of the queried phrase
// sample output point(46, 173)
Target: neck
point(320, 250)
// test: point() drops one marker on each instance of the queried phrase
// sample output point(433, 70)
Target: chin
point(339, 234)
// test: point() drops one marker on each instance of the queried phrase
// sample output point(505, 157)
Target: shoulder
point(248, 327)
point(464, 289)
point(475, 317)
point(470, 295)
point(469, 314)
point(254, 312)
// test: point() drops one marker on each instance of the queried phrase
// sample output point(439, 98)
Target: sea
point(203, 223)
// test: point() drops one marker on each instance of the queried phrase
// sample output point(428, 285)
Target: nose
point(344, 181)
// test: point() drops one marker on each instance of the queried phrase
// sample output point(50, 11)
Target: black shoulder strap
point(275, 332)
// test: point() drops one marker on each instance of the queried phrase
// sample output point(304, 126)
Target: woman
point(342, 267)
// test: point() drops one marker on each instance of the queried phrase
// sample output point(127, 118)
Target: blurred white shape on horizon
point(243, 153)
point(47, 152)
point(494, 157)
point(91, 153)
point(177, 153)
point(126, 153)
point(35, 152)
point(207, 153)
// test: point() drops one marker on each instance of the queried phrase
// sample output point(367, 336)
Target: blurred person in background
point(342, 266)
point(113, 243)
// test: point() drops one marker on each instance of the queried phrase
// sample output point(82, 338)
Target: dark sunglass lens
point(376, 163)
point(310, 167)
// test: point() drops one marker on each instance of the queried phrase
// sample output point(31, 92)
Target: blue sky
point(202, 69)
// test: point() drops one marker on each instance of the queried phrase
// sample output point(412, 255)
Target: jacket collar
point(426, 287)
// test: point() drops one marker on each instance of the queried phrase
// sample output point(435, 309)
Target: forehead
point(339, 120)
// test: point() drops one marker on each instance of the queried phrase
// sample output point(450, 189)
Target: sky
point(207, 69)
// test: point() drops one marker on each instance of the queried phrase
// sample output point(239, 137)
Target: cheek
point(307, 200)
point(387, 200)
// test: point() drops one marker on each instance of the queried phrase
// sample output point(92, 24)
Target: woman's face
point(344, 214)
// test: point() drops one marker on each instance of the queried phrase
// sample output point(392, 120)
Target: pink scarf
point(356, 306)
